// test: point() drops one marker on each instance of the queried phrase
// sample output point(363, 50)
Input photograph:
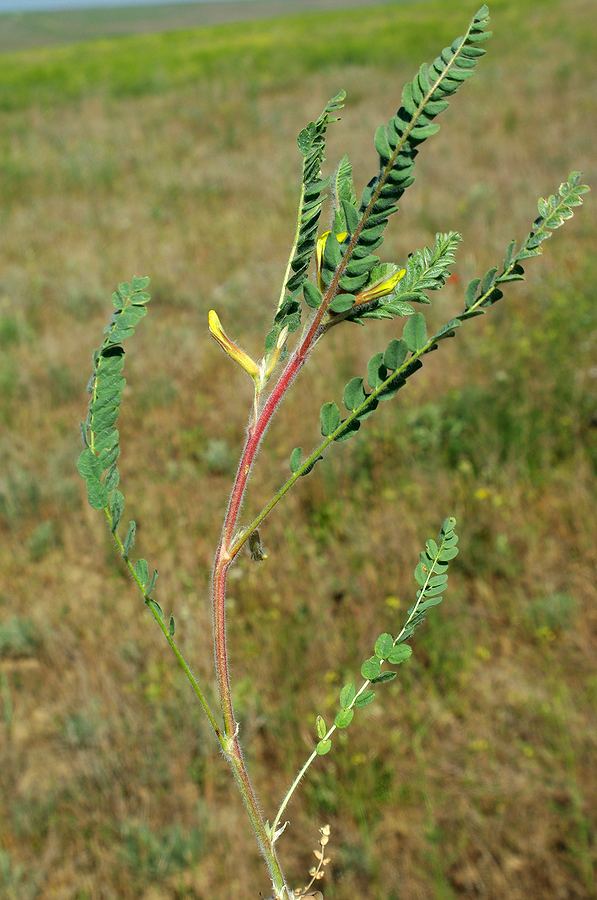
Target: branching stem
point(222, 561)
point(228, 549)
point(314, 456)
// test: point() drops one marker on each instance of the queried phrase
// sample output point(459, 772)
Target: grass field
point(174, 155)
point(41, 29)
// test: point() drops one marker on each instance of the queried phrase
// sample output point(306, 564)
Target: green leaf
point(116, 508)
point(311, 144)
point(381, 143)
point(347, 695)
point(431, 547)
point(312, 295)
point(152, 583)
point(428, 604)
point(371, 668)
point(345, 212)
point(448, 553)
point(376, 370)
point(295, 459)
point(97, 495)
point(427, 269)
point(344, 718)
point(392, 308)
point(415, 332)
point(421, 573)
point(395, 354)
point(305, 139)
point(447, 330)
point(351, 284)
point(488, 280)
point(364, 699)
point(400, 654)
point(354, 394)
point(323, 747)
point(471, 292)
point(343, 184)
point(383, 677)
point(424, 131)
point(90, 468)
point(89, 465)
point(350, 216)
point(341, 303)
point(140, 283)
point(106, 386)
point(332, 253)
point(155, 607)
point(320, 727)
point(383, 645)
point(112, 479)
point(171, 626)
point(329, 418)
point(142, 572)
point(423, 99)
point(438, 580)
point(129, 541)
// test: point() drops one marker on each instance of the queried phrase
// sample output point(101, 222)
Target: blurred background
point(160, 140)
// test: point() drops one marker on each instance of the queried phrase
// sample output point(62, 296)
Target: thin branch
point(165, 631)
point(311, 759)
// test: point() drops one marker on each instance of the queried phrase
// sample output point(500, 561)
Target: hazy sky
point(30, 5)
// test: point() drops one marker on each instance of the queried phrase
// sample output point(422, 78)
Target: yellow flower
point(232, 349)
point(319, 249)
point(379, 288)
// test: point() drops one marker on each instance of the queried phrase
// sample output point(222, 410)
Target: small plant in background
point(333, 278)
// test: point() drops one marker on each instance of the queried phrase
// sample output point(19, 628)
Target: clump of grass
point(151, 855)
point(552, 613)
point(19, 637)
point(43, 538)
point(15, 881)
point(80, 729)
point(20, 493)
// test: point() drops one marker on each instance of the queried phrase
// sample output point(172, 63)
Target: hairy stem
point(241, 776)
point(222, 561)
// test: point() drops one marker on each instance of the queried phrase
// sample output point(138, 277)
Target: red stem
point(222, 560)
point(222, 563)
point(219, 578)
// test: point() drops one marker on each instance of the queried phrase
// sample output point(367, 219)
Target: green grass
point(274, 55)
point(18, 637)
point(19, 31)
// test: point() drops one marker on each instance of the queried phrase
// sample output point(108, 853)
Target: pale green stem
point(165, 631)
point(311, 759)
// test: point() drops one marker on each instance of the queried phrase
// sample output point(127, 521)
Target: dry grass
point(472, 775)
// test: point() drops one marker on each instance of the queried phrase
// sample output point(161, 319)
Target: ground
point(174, 155)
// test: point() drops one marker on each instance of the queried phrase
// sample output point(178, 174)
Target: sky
point(34, 5)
